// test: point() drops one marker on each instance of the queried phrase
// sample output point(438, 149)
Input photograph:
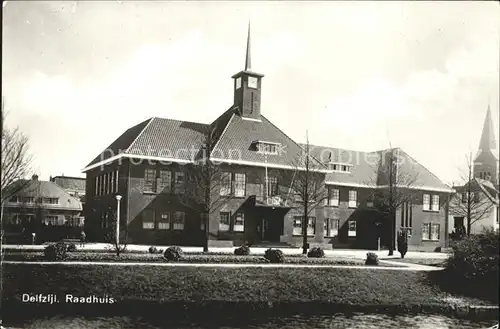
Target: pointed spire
point(248, 59)
point(488, 141)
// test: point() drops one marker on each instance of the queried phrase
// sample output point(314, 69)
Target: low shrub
point(274, 255)
point(242, 251)
point(153, 250)
point(371, 259)
point(55, 251)
point(173, 253)
point(475, 258)
point(71, 247)
point(316, 252)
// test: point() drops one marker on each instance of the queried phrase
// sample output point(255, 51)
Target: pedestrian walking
point(82, 238)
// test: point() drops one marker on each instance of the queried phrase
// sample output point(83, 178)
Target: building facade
point(146, 166)
point(43, 208)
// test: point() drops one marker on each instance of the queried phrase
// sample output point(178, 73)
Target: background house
point(44, 208)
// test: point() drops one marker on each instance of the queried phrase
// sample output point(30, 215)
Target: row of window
point(167, 221)
point(162, 182)
point(233, 184)
point(30, 199)
point(330, 228)
point(475, 196)
point(106, 183)
point(49, 220)
point(428, 206)
point(340, 167)
point(267, 148)
point(485, 175)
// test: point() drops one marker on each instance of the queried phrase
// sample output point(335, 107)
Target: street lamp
point(118, 198)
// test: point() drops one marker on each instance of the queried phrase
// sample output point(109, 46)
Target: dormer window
point(267, 147)
point(341, 167)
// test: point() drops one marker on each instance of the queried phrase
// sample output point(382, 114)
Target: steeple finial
point(487, 141)
point(248, 59)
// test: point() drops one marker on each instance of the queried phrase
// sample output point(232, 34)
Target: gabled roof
point(47, 189)
point(481, 184)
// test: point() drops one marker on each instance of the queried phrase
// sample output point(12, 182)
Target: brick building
point(145, 166)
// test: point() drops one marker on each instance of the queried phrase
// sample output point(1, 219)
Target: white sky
point(355, 74)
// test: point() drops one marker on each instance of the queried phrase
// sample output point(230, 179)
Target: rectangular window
point(117, 180)
point(96, 182)
point(426, 202)
point(430, 232)
point(239, 222)
point(28, 199)
point(14, 199)
point(333, 196)
point(106, 183)
point(148, 222)
point(464, 197)
point(311, 225)
point(267, 148)
point(112, 182)
point(353, 199)
point(239, 184)
point(435, 203)
point(164, 222)
point(224, 221)
point(149, 180)
point(331, 227)
point(297, 225)
point(352, 228)
point(225, 188)
point(50, 200)
point(272, 186)
point(52, 220)
point(179, 182)
point(477, 196)
point(165, 181)
point(179, 218)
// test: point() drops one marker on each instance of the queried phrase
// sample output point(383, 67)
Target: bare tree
point(470, 202)
point(307, 186)
point(206, 186)
point(393, 187)
point(16, 162)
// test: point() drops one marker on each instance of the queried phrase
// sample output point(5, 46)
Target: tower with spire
point(247, 88)
point(486, 161)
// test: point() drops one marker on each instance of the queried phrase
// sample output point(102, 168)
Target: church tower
point(247, 88)
point(486, 162)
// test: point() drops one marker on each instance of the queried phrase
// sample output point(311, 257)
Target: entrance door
point(271, 229)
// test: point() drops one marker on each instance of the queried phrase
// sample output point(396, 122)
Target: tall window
point(464, 197)
point(149, 180)
point(297, 225)
point(225, 188)
point(179, 218)
point(112, 183)
point(311, 225)
point(406, 217)
point(351, 228)
point(353, 199)
point(179, 182)
point(426, 202)
point(477, 196)
point(164, 222)
point(117, 175)
point(435, 203)
point(96, 185)
point(148, 222)
point(430, 232)
point(239, 222)
point(333, 197)
point(224, 221)
point(165, 181)
point(239, 184)
point(272, 186)
point(101, 185)
point(331, 227)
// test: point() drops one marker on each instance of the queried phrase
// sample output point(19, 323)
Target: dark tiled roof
point(237, 142)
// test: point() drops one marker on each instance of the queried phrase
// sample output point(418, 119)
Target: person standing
point(82, 238)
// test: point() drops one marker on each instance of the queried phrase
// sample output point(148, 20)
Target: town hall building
point(146, 167)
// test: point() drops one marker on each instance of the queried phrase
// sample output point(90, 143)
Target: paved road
point(410, 267)
point(345, 253)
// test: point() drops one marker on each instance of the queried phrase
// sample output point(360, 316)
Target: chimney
point(34, 177)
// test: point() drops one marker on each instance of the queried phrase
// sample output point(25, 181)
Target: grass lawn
point(253, 285)
point(187, 258)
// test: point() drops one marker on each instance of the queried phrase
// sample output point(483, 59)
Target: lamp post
point(118, 198)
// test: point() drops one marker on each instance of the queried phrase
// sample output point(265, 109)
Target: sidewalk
point(409, 267)
point(345, 253)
